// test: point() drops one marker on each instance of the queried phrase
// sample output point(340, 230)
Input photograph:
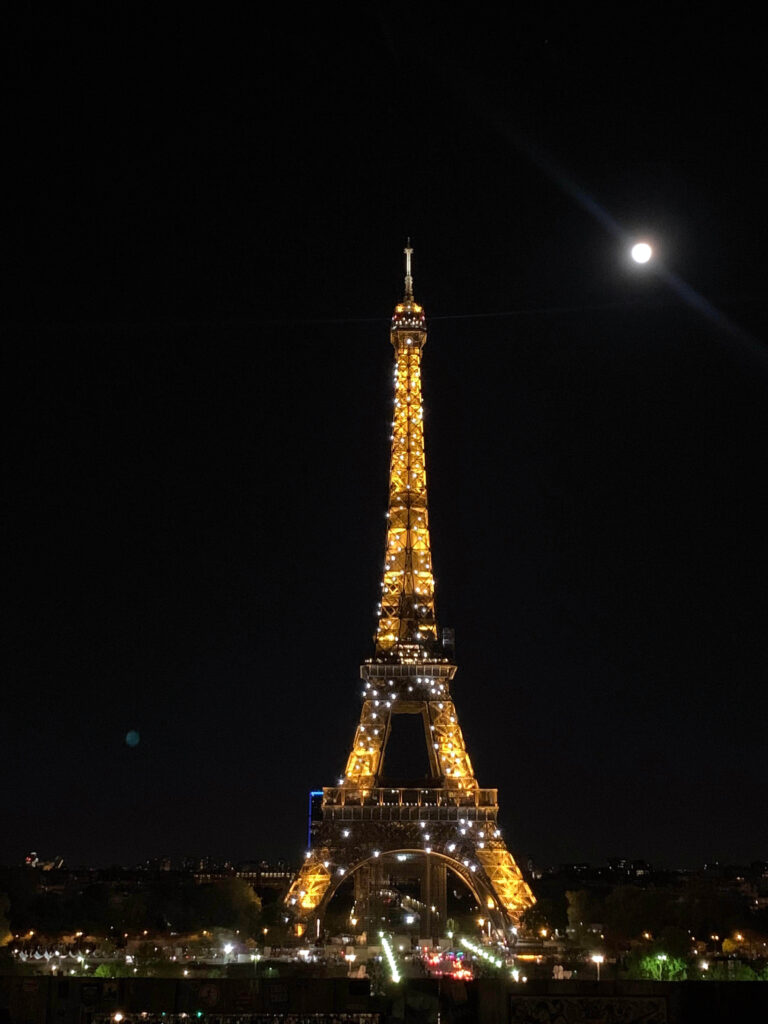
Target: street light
point(597, 959)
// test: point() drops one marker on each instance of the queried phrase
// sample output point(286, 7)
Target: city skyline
point(198, 416)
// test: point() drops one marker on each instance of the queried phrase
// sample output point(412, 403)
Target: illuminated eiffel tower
point(374, 827)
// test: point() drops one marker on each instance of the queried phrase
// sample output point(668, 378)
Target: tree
point(583, 910)
point(5, 927)
point(229, 903)
point(732, 970)
point(146, 957)
point(660, 967)
point(134, 915)
point(545, 913)
point(272, 919)
point(113, 969)
point(674, 942)
point(630, 911)
point(706, 909)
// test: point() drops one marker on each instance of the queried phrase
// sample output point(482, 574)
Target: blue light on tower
point(315, 815)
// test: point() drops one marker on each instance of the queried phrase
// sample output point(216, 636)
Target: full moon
point(641, 252)
point(132, 738)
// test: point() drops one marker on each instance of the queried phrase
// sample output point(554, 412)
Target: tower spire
point(408, 277)
point(407, 629)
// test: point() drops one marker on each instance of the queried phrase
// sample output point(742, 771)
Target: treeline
point(164, 903)
point(699, 909)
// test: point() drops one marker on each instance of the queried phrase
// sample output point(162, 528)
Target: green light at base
point(390, 958)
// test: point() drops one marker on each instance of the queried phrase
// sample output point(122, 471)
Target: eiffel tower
point(375, 827)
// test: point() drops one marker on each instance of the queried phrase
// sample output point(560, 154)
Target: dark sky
point(204, 228)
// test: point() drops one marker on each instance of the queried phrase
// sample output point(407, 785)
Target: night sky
point(204, 234)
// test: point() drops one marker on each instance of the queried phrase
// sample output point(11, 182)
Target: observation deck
point(387, 803)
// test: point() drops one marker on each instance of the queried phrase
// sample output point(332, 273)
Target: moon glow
point(641, 252)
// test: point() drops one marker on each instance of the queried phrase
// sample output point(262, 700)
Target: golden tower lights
point(451, 820)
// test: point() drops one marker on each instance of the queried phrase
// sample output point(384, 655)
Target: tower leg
point(369, 881)
point(434, 896)
point(361, 898)
point(439, 899)
point(425, 931)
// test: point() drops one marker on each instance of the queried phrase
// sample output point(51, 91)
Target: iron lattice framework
point(450, 821)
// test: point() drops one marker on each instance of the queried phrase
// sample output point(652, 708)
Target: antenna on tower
point(408, 278)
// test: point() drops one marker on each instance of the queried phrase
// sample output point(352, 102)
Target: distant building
point(32, 860)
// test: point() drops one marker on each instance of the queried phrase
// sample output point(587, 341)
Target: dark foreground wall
point(35, 1000)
